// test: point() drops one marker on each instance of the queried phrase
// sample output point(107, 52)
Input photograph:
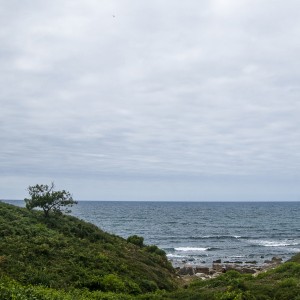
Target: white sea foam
point(186, 249)
point(219, 237)
point(175, 256)
point(296, 250)
point(274, 243)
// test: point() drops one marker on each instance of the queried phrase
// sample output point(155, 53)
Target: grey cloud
point(144, 89)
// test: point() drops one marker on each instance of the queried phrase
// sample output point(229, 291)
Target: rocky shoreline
point(218, 267)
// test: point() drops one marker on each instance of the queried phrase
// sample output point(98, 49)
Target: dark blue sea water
point(200, 232)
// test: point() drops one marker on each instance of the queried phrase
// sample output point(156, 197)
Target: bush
point(155, 249)
point(136, 240)
point(148, 285)
point(113, 283)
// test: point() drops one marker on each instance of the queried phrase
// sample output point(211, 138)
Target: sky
point(151, 100)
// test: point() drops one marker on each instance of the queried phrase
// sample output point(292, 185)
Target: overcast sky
point(151, 100)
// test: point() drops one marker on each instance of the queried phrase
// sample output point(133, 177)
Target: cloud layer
point(151, 95)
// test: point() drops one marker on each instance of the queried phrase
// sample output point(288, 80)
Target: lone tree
point(45, 197)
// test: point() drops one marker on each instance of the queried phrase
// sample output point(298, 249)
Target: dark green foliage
point(44, 197)
point(62, 252)
point(10, 289)
point(148, 285)
point(136, 240)
point(155, 249)
point(295, 258)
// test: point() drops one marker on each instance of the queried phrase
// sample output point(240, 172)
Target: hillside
point(63, 252)
point(63, 258)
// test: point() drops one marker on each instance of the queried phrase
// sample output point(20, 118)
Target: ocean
point(201, 232)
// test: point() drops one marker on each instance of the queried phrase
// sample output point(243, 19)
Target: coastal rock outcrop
point(186, 270)
point(202, 270)
point(217, 268)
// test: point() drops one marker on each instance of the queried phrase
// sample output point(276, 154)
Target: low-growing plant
point(155, 249)
point(136, 240)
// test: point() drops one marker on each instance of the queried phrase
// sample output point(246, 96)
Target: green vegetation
point(64, 253)
point(281, 283)
point(136, 240)
point(44, 197)
point(62, 258)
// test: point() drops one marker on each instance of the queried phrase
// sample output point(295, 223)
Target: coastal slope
point(64, 258)
point(63, 252)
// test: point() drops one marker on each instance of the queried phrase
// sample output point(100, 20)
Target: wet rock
point(212, 272)
point(276, 260)
point(240, 269)
point(216, 274)
point(218, 261)
point(203, 270)
point(253, 262)
point(267, 261)
point(231, 267)
point(186, 270)
point(217, 267)
point(247, 271)
point(202, 275)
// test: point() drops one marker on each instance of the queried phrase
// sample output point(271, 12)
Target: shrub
point(155, 249)
point(148, 285)
point(112, 283)
point(136, 240)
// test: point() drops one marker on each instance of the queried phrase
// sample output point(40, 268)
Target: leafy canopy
point(46, 198)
